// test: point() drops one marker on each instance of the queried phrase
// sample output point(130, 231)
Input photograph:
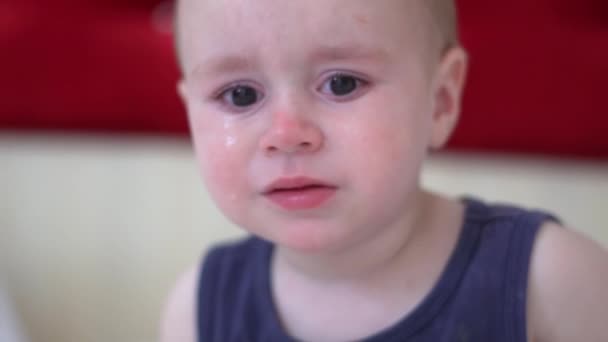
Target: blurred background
point(101, 205)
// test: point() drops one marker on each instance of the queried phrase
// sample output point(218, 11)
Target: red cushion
point(88, 65)
point(537, 81)
point(538, 78)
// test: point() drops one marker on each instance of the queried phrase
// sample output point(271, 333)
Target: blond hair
point(444, 18)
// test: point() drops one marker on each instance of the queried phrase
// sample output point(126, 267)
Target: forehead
point(272, 28)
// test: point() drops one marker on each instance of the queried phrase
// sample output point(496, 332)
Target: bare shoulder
point(178, 322)
point(568, 287)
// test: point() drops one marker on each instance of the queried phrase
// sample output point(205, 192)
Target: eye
point(342, 85)
point(240, 96)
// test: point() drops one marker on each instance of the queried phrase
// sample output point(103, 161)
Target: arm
point(178, 323)
point(568, 289)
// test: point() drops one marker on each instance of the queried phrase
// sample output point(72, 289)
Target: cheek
point(222, 160)
point(388, 155)
point(219, 169)
point(390, 145)
point(378, 141)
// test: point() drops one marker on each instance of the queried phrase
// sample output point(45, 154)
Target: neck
point(368, 258)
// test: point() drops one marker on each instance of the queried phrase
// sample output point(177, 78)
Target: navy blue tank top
point(479, 297)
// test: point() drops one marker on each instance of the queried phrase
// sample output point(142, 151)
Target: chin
point(309, 238)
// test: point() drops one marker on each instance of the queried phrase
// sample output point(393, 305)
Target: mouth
point(299, 193)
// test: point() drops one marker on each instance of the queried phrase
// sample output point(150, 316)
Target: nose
point(291, 133)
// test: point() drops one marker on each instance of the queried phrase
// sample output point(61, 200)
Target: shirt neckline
point(422, 314)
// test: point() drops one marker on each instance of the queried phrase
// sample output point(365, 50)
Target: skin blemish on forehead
point(361, 19)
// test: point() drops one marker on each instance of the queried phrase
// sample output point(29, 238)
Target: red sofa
point(538, 80)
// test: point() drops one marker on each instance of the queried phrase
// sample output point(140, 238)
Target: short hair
point(444, 18)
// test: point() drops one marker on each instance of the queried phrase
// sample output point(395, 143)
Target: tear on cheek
point(230, 141)
point(219, 141)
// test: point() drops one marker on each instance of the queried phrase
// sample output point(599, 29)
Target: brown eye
point(341, 85)
point(241, 96)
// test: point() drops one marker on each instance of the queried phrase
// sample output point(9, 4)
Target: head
point(340, 101)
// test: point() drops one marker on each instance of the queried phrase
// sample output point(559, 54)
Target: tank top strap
point(233, 302)
point(480, 296)
point(508, 235)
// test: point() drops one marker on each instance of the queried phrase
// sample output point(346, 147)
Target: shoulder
point(567, 287)
point(223, 269)
point(178, 322)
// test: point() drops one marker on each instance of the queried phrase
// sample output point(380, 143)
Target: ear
point(447, 93)
point(182, 90)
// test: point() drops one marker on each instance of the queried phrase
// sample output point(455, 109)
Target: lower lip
point(301, 199)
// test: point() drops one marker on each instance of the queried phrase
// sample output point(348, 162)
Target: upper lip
point(288, 183)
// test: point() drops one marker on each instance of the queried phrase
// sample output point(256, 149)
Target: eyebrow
point(326, 53)
point(347, 52)
point(224, 64)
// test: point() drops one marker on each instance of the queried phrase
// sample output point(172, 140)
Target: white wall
point(94, 229)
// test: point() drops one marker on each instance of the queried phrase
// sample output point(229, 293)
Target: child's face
point(343, 92)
